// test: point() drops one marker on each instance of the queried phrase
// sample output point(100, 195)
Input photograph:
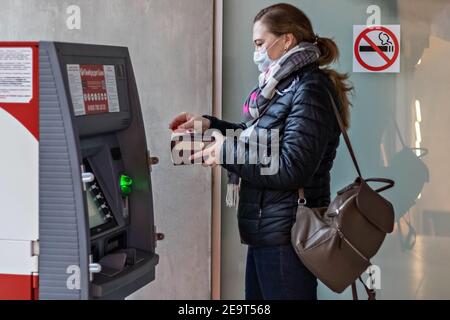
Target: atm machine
point(76, 195)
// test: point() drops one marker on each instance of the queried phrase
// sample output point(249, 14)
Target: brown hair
point(284, 18)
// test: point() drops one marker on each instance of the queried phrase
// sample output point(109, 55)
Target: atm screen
point(100, 215)
point(96, 215)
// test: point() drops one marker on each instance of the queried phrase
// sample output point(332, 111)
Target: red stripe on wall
point(35, 281)
point(18, 287)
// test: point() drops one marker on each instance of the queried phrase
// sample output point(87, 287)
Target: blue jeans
point(276, 273)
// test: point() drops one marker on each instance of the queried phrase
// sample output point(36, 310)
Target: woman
point(291, 97)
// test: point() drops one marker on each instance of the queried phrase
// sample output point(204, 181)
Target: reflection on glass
point(400, 130)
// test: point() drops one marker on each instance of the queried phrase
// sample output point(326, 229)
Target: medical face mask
point(262, 59)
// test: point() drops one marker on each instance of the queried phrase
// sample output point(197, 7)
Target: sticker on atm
point(93, 88)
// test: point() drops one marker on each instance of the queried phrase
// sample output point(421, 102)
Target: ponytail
point(329, 53)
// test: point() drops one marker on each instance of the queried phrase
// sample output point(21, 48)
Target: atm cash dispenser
point(82, 225)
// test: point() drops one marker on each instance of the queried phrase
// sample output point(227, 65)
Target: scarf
point(259, 98)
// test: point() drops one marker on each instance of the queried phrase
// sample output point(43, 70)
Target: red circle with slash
point(389, 61)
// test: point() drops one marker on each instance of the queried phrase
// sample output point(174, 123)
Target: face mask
point(262, 59)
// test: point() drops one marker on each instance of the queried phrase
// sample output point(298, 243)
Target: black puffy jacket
point(309, 137)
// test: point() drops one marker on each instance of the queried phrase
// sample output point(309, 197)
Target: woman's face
point(276, 46)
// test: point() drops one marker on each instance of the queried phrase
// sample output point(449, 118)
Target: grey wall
point(170, 42)
point(411, 267)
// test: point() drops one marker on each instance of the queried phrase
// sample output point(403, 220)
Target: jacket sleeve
point(300, 149)
point(223, 125)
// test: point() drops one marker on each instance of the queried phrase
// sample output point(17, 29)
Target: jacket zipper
point(260, 210)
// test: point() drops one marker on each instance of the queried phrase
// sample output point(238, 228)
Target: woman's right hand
point(186, 122)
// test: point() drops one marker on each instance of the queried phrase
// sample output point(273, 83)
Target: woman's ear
point(290, 42)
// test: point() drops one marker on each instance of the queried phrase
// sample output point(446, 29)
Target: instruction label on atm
point(16, 75)
point(93, 89)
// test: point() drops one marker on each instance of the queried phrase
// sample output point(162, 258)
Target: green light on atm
point(125, 184)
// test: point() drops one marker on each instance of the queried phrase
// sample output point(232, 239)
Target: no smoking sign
point(376, 48)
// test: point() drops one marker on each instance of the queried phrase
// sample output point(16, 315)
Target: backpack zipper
point(342, 236)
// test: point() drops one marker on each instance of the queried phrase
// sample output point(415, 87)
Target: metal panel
point(62, 224)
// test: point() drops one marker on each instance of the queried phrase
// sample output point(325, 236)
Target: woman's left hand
point(211, 154)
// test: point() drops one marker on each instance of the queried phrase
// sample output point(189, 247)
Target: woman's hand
point(211, 154)
point(188, 122)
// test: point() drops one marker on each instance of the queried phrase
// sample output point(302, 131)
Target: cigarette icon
point(382, 48)
point(386, 44)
